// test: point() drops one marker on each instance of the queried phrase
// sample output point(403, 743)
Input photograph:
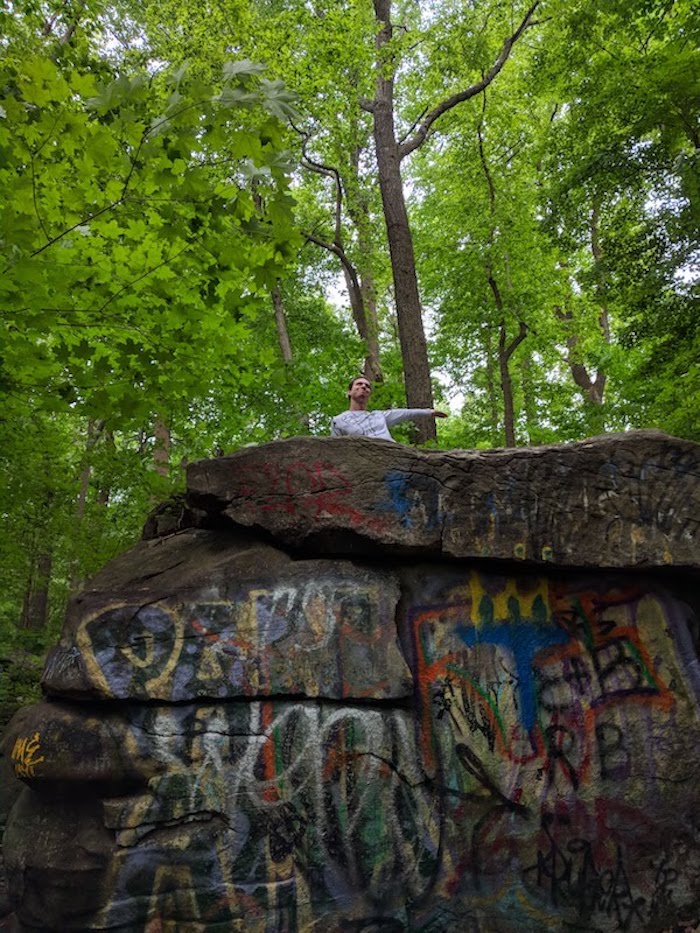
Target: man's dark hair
point(355, 378)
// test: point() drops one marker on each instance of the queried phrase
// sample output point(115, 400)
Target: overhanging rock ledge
point(621, 500)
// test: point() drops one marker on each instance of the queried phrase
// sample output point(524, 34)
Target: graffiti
point(329, 801)
point(448, 700)
point(523, 641)
point(571, 876)
point(613, 754)
point(320, 636)
point(665, 879)
point(537, 697)
point(25, 755)
point(415, 499)
point(315, 490)
point(318, 489)
point(541, 775)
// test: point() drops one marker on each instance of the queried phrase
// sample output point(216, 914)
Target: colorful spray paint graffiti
point(25, 755)
point(542, 774)
point(274, 814)
point(310, 490)
point(328, 635)
point(396, 506)
point(549, 715)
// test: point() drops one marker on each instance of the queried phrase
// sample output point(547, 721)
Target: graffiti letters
point(290, 638)
point(25, 755)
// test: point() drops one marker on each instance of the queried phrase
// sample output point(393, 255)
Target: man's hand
point(439, 414)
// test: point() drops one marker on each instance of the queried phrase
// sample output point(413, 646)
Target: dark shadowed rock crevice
point(350, 685)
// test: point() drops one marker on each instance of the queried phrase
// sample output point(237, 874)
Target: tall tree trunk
point(285, 344)
point(494, 408)
point(35, 605)
point(597, 251)
point(161, 449)
point(529, 406)
point(281, 324)
point(506, 387)
point(358, 211)
point(105, 490)
point(592, 387)
point(505, 349)
point(94, 431)
point(373, 366)
point(389, 153)
point(414, 351)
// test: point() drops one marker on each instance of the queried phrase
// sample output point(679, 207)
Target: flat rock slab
point(621, 501)
point(201, 615)
point(308, 718)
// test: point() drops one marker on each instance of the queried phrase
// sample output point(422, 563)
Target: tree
point(389, 153)
point(619, 202)
point(315, 49)
point(135, 255)
point(145, 218)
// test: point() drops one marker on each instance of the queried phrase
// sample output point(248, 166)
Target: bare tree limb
point(329, 172)
point(510, 349)
point(47, 28)
point(415, 123)
point(340, 253)
point(422, 133)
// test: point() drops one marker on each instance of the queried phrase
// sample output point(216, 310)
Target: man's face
point(360, 391)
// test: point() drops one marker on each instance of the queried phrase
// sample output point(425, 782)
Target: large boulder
point(360, 687)
point(621, 500)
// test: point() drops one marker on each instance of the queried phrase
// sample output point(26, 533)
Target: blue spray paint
point(523, 639)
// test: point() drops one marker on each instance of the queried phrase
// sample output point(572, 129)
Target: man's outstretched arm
point(397, 415)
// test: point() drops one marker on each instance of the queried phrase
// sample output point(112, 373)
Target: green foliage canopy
point(143, 219)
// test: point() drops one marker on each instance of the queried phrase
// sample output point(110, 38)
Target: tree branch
point(516, 341)
point(412, 127)
point(85, 220)
point(330, 172)
point(458, 98)
point(122, 198)
point(47, 28)
point(339, 252)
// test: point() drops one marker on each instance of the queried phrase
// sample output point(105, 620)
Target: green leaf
point(242, 68)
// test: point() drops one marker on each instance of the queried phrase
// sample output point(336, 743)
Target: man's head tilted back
point(359, 391)
point(359, 379)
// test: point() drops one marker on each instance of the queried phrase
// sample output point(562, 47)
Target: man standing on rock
point(357, 421)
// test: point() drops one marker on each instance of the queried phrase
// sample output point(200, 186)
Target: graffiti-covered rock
point(203, 615)
point(254, 723)
point(620, 500)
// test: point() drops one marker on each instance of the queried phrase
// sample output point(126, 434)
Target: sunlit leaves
point(129, 221)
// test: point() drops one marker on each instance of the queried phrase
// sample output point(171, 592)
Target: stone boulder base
point(322, 705)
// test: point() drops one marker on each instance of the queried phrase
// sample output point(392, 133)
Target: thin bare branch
point(415, 123)
point(330, 171)
point(80, 223)
point(339, 252)
point(422, 134)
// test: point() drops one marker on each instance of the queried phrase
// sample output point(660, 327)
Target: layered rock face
point(353, 686)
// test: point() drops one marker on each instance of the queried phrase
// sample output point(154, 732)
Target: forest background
point(214, 214)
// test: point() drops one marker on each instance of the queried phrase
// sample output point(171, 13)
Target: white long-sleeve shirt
point(374, 423)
